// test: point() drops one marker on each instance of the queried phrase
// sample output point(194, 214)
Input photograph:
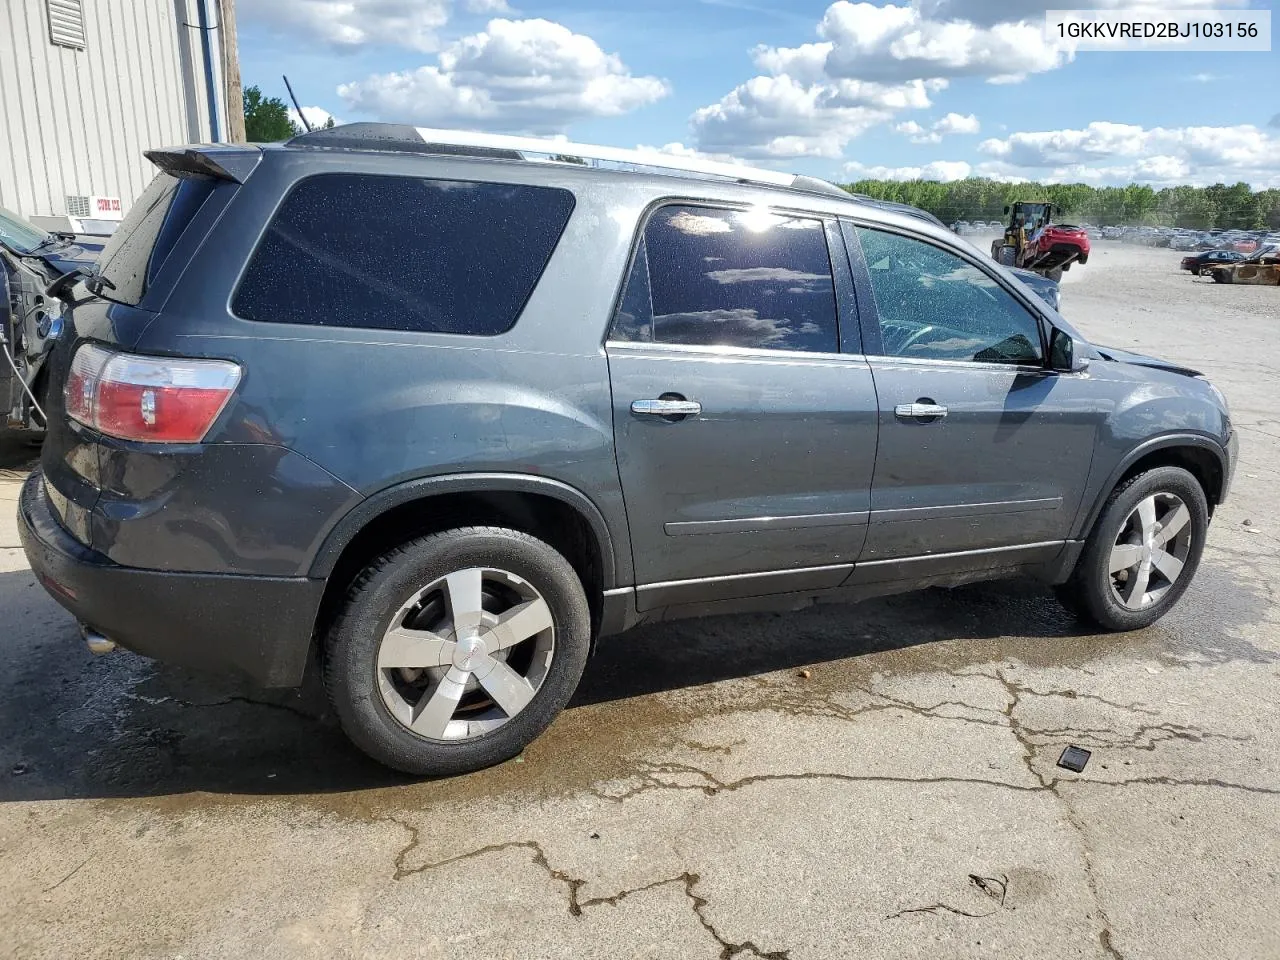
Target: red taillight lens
point(156, 399)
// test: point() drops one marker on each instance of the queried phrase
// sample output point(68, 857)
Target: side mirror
point(1006, 209)
point(1063, 355)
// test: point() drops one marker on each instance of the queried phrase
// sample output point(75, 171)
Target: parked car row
point(1176, 238)
point(966, 228)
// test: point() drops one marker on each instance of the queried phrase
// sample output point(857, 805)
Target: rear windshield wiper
point(61, 287)
point(96, 282)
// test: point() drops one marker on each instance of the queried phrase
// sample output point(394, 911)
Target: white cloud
point(957, 123)
point(316, 116)
point(487, 6)
point(1122, 153)
point(951, 123)
point(353, 23)
point(895, 43)
point(870, 64)
point(944, 170)
point(783, 117)
point(533, 76)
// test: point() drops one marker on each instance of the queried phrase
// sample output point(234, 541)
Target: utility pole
point(231, 71)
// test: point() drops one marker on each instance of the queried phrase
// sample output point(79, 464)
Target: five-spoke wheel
point(454, 651)
point(1151, 550)
point(1142, 552)
point(465, 654)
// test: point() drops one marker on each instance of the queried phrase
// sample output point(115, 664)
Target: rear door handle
point(920, 411)
point(663, 407)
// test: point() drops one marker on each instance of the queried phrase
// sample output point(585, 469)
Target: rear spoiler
point(223, 161)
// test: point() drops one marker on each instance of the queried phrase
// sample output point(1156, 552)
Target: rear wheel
point(456, 650)
point(1142, 553)
point(1006, 255)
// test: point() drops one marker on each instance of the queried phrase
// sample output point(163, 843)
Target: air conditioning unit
point(94, 214)
point(98, 208)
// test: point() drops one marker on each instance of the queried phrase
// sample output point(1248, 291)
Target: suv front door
point(745, 439)
point(983, 451)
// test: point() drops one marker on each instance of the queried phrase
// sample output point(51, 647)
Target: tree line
point(1200, 208)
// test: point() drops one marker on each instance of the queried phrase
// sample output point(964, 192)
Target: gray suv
point(439, 415)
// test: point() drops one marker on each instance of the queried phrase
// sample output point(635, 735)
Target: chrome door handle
point(920, 411)
point(666, 408)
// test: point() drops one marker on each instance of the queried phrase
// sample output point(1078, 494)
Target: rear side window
point(739, 278)
point(403, 253)
point(141, 244)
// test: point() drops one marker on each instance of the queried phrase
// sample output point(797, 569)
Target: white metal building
point(87, 85)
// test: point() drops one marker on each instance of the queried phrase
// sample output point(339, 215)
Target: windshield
point(17, 234)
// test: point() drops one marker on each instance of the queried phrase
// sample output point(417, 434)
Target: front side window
point(739, 278)
point(403, 253)
point(936, 306)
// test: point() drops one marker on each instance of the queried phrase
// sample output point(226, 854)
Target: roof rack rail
point(589, 151)
point(402, 138)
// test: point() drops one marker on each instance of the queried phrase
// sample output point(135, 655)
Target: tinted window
point(139, 246)
point(401, 253)
point(731, 278)
point(935, 305)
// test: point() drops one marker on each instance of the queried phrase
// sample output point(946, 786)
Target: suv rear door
point(983, 450)
point(745, 439)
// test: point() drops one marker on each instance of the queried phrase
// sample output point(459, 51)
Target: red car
point(1063, 237)
point(1245, 246)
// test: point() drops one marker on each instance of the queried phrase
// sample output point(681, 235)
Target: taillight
point(157, 399)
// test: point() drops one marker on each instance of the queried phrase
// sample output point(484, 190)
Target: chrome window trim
point(684, 528)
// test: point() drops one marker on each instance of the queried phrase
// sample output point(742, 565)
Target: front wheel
point(456, 650)
point(1143, 551)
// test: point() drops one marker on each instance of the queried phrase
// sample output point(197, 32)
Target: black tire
point(1221, 276)
point(1089, 593)
point(350, 647)
point(1055, 274)
point(1006, 255)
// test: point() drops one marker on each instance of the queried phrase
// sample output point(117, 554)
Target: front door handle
point(925, 410)
point(668, 408)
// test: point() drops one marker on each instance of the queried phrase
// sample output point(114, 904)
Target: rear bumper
point(256, 626)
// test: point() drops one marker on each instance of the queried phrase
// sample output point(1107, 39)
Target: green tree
point(266, 119)
point(977, 198)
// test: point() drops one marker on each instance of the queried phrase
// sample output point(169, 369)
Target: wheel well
point(1197, 461)
point(551, 520)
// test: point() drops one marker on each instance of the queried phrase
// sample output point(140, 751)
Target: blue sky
point(939, 88)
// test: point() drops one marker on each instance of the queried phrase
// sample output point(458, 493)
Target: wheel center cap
point(468, 653)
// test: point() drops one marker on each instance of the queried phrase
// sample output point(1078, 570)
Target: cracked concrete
point(702, 798)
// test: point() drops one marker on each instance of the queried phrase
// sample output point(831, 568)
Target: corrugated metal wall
point(76, 121)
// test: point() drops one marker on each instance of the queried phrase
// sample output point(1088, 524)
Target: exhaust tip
point(98, 644)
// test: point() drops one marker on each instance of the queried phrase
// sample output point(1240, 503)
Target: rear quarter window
point(403, 253)
point(141, 244)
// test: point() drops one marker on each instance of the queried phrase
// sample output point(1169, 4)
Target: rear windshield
point(403, 253)
point(138, 248)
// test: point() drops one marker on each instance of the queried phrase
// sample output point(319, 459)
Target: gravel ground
point(703, 798)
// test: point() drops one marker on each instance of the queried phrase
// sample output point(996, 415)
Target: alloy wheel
point(465, 654)
point(1150, 551)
